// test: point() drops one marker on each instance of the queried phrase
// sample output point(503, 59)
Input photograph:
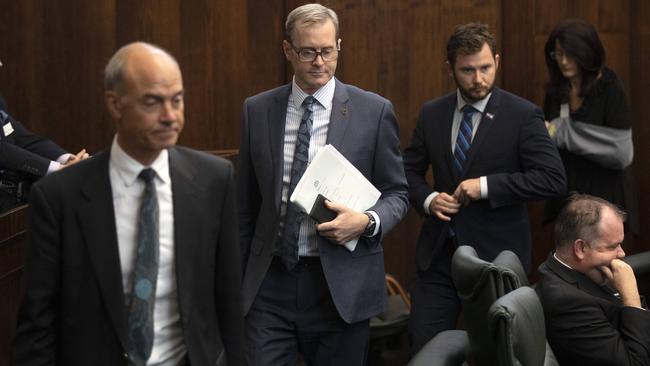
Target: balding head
point(144, 94)
point(133, 54)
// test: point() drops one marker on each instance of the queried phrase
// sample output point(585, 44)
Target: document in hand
point(333, 176)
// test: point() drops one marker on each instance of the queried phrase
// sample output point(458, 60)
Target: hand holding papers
point(333, 176)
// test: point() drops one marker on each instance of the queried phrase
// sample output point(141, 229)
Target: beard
point(475, 93)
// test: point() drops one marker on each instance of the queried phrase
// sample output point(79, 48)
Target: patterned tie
point(464, 138)
point(145, 273)
point(293, 218)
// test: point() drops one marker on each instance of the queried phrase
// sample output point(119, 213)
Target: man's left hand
point(347, 225)
point(467, 191)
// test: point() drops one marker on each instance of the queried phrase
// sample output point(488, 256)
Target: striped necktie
point(464, 138)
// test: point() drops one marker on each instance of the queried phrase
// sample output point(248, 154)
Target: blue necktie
point(293, 218)
point(145, 273)
point(464, 138)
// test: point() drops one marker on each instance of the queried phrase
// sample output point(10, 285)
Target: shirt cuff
point(54, 166)
point(484, 187)
point(377, 223)
point(64, 158)
point(427, 202)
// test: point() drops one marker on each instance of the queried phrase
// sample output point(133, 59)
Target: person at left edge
point(24, 152)
point(86, 224)
point(26, 157)
point(320, 307)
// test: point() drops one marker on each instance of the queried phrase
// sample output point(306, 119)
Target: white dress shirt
point(168, 344)
point(455, 126)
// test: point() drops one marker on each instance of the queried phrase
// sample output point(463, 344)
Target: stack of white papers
point(333, 176)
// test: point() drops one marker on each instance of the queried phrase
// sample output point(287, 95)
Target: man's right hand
point(443, 205)
point(621, 276)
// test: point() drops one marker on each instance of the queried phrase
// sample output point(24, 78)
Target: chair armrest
point(447, 348)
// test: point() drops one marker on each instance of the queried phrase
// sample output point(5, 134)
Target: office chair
point(516, 323)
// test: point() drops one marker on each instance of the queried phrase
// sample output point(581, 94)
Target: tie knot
point(469, 110)
point(309, 102)
point(147, 175)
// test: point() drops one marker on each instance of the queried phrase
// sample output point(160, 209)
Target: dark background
point(54, 53)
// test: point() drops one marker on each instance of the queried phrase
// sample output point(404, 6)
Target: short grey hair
point(580, 219)
point(114, 71)
point(309, 14)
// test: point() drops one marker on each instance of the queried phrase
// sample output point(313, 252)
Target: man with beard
point(489, 153)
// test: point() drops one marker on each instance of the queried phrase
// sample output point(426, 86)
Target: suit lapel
point(340, 117)
point(97, 218)
point(580, 281)
point(187, 231)
point(448, 121)
point(277, 120)
point(490, 114)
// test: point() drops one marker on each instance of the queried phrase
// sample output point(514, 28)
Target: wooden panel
point(639, 81)
point(13, 237)
point(53, 80)
point(517, 24)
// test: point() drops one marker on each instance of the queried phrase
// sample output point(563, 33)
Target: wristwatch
point(370, 228)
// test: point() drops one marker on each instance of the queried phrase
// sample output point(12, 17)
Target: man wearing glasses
point(304, 292)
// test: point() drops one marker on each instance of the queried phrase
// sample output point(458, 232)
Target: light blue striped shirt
point(307, 240)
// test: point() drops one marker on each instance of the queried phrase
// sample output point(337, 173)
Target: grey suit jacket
point(73, 310)
point(364, 129)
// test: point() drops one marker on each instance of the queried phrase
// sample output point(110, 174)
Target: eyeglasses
point(310, 54)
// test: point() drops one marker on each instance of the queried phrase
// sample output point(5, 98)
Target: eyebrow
point(162, 97)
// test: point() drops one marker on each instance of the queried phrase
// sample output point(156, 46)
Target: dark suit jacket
point(364, 129)
point(24, 152)
point(511, 147)
point(586, 324)
point(73, 310)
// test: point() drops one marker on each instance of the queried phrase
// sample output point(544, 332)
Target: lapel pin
point(489, 115)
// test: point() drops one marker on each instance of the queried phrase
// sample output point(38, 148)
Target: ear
point(450, 69)
point(113, 104)
point(496, 62)
point(338, 44)
point(579, 248)
point(286, 47)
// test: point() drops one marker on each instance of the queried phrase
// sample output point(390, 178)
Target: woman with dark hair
point(589, 119)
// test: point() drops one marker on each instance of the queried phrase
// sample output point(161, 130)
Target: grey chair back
point(479, 283)
point(516, 322)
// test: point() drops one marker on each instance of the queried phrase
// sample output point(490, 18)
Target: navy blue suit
point(513, 150)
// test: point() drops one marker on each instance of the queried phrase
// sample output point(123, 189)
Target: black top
point(606, 106)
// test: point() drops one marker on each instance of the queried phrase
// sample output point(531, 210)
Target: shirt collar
point(479, 105)
point(128, 168)
point(560, 261)
point(324, 95)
